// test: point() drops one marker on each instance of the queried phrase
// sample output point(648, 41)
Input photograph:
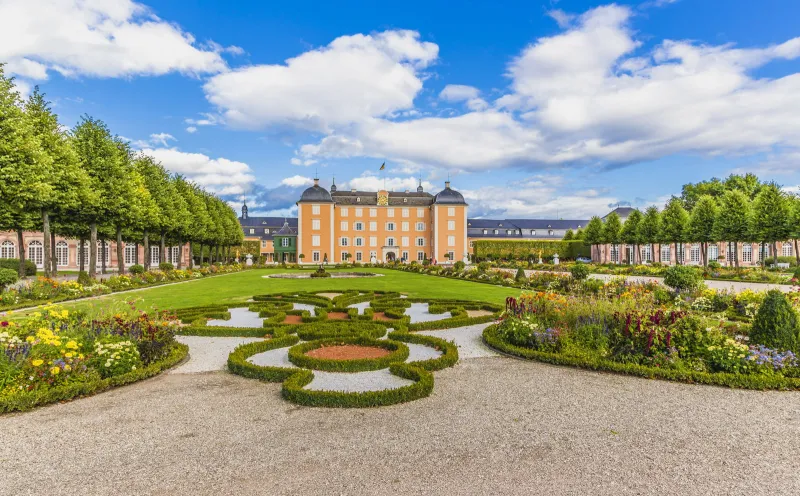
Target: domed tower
point(315, 225)
point(449, 226)
point(244, 209)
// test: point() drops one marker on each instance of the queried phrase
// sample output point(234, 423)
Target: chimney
point(447, 184)
point(316, 181)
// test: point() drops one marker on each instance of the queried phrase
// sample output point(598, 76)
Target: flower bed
point(43, 290)
point(54, 355)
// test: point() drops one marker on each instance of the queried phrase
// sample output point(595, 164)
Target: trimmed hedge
point(423, 386)
point(238, 364)
point(743, 381)
point(28, 400)
point(340, 329)
point(222, 331)
point(398, 352)
point(530, 249)
point(449, 350)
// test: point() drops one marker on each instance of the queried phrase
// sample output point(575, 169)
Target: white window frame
point(36, 253)
point(694, 254)
point(315, 256)
point(373, 241)
point(420, 242)
point(284, 242)
point(345, 212)
point(451, 226)
point(451, 211)
point(344, 241)
point(358, 226)
point(62, 254)
point(390, 226)
point(154, 254)
point(358, 256)
point(404, 241)
point(420, 256)
point(420, 212)
point(786, 249)
point(359, 212)
point(315, 224)
point(747, 253)
point(358, 241)
point(315, 209)
point(389, 212)
point(451, 241)
point(420, 227)
point(343, 225)
point(315, 240)
point(390, 241)
point(405, 212)
point(373, 226)
point(8, 249)
point(130, 254)
point(404, 226)
point(373, 212)
point(666, 255)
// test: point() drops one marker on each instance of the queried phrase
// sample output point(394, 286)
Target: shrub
point(775, 324)
point(459, 266)
point(426, 262)
point(714, 265)
point(579, 271)
point(320, 273)
point(166, 266)
point(520, 277)
point(796, 274)
point(136, 269)
point(682, 278)
point(7, 277)
point(84, 279)
point(13, 264)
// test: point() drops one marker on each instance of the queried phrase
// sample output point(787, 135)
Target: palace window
point(496, 231)
point(8, 250)
point(84, 253)
point(665, 254)
point(315, 241)
point(62, 254)
point(533, 232)
point(284, 242)
point(405, 212)
point(451, 241)
point(263, 243)
point(485, 231)
point(343, 256)
point(315, 209)
point(550, 232)
point(420, 212)
point(615, 253)
point(176, 254)
point(343, 225)
point(647, 253)
point(252, 231)
point(130, 254)
point(420, 256)
point(390, 226)
point(373, 226)
point(266, 231)
point(373, 241)
point(451, 211)
point(694, 254)
point(508, 231)
point(315, 256)
point(713, 252)
point(359, 241)
point(747, 253)
point(404, 241)
point(358, 226)
point(404, 226)
point(359, 212)
point(154, 259)
point(390, 242)
point(373, 212)
point(420, 226)
point(404, 256)
point(786, 250)
point(315, 224)
point(345, 211)
point(358, 256)
point(451, 225)
point(344, 242)
point(390, 212)
point(420, 241)
point(36, 252)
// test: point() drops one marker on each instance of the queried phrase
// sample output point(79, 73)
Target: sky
point(537, 109)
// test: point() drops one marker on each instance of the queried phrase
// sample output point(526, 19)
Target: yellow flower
point(69, 354)
point(55, 370)
point(67, 368)
point(72, 345)
point(30, 339)
point(37, 362)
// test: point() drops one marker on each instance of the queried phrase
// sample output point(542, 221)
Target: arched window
point(713, 252)
point(665, 254)
point(747, 253)
point(85, 254)
point(103, 252)
point(36, 253)
point(614, 253)
point(694, 254)
point(786, 251)
point(154, 255)
point(62, 254)
point(175, 251)
point(8, 250)
point(130, 254)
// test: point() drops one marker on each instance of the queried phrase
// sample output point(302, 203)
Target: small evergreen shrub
point(714, 265)
point(459, 266)
point(166, 266)
point(775, 324)
point(84, 279)
point(13, 264)
point(136, 269)
point(426, 262)
point(682, 278)
point(520, 277)
point(579, 271)
point(483, 266)
point(7, 278)
point(796, 274)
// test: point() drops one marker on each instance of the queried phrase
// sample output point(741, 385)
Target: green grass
point(239, 287)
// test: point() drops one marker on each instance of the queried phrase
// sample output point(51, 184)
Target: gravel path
point(468, 339)
point(419, 313)
point(240, 317)
point(491, 426)
point(208, 354)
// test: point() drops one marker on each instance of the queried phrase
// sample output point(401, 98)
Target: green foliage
point(702, 219)
point(7, 278)
point(593, 234)
point(136, 269)
point(771, 216)
point(569, 235)
point(682, 278)
point(612, 229)
point(529, 249)
point(674, 222)
point(775, 324)
point(630, 229)
point(732, 222)
point(84, 279)
point(520, 277)
point(579, 271)
point(650, 226)
point(398, 352)
point(459, 266)
point(13, 264)
point(166, 266)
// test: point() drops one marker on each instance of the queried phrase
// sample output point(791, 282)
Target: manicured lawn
point(241, 286)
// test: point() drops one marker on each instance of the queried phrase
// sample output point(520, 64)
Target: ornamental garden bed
point(332, 275)
point(347, 352)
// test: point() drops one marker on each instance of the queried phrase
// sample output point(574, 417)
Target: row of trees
point(738, 209)
point(86, 183)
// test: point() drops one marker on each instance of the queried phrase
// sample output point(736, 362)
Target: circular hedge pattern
point(398, 352)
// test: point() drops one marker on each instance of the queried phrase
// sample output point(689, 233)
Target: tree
point(630, 233)
point(794, 224)
point(650, 227)
point(771, 214)
point(24, 167)
point(612, 231)
point(593, 236)
point(732, 223)
point(65, 178)
point(569, 235)
point(674, 224)
point(701, 224)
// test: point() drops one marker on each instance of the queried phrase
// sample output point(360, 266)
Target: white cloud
point(352, 78)
point(207, 120)
point(562, 18)
point(458, 93)
point(219, 175)
point(191, 129)
point(162, 139)
point(302, 163)
point(296, 181)
point(96, 38)
point(371, 182)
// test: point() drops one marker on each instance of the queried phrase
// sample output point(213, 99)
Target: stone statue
point(249, 260)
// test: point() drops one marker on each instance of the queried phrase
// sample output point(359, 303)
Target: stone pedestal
point(555, 259)
point(249, 261)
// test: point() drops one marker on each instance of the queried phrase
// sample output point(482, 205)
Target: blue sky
point(534, 109)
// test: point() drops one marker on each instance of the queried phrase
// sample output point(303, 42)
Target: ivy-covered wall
point(524, 249)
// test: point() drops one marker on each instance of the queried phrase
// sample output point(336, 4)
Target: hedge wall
point(524, 249)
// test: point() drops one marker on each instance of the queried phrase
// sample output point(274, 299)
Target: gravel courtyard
point(492, 426)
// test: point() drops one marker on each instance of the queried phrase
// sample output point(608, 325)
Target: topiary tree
point(521, 277)
point(579, 271)
point(682, 278)
point(775, 324)
point(459, 266)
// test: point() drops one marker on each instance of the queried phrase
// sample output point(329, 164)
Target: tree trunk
point(736, 253)
point(775, 252)
point(103, 257)
point(120, 252)
point(146, 250)
point(136, 254)
point(93, 250)
point(190, 262)
point(81, 248)
point(677, 255)
point(162, 253)
point(796, 252)
point(201, 254)
point(21, 244)
point(47, 260)
point(53, 258)
point(216, 254)
point(180, 256)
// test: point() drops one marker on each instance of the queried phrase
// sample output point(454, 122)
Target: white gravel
point(353, 382)
point(208, 354)
point(240, 317)
point(361, 306)
point(306, 306)
point(468, 339)
point(419, 313)
point(278, 357)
